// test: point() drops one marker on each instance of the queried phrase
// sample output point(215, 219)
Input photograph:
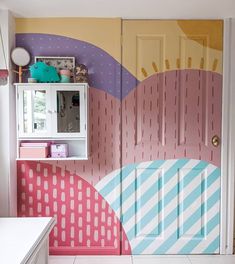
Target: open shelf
point(77, 148)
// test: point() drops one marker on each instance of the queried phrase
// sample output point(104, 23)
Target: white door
point(33, 108)
point(171, 128)
point(69, 117)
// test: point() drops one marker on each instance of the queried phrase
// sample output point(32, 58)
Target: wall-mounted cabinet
point(53, 113)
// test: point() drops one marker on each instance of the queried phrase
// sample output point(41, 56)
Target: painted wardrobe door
point(69, 190)
point(171, 113)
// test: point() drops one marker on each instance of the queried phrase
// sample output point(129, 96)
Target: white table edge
point(32, 252)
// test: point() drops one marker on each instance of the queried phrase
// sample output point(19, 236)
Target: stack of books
point(34, 150)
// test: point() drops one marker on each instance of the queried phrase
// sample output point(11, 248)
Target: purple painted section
point(104, 70)
point(129, 82)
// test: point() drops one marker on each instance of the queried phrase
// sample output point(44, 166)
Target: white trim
point(8, 179)
point(228, 140)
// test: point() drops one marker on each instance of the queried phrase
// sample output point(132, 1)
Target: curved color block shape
point(168, 206)
point(173, 115)
point(104, 70)
point(86, 224)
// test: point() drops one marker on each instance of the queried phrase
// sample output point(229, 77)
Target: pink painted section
point(125, 245)
point(173, 115)
point(104, 129)
point(54, 189)
point(170, 115)
point(86, 224)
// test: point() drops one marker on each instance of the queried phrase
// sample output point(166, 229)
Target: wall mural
point(93, 201)
point(128, 182)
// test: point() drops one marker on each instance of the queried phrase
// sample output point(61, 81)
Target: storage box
point(59, 150)
point(34, 152)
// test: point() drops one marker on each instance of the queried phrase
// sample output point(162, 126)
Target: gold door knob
point(215, 141)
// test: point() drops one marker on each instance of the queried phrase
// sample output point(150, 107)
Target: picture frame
point(60, 63)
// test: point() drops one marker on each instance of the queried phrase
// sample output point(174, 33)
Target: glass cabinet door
point(69, 114)
point(33, 112)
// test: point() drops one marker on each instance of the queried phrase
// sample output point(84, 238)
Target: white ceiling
point(121, 8)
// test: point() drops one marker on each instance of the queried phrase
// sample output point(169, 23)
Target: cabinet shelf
point(52, 113)
point(53, 159)
point(51, 139)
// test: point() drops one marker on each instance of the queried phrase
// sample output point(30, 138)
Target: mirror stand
point(20, 73)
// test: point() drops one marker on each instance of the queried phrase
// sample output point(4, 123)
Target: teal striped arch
point(167, 206)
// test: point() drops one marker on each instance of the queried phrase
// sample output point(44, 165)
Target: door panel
point(32, 107)
point(149, 48)
point(168, 122)
point(156, 200)
point(68, 111)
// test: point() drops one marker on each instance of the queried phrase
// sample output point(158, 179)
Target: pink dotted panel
point(125, 245)
point(86, 224)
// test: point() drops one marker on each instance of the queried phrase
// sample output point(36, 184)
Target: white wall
point(228, 140)
point(231, 200)
point(123, 8)
point(8, 189)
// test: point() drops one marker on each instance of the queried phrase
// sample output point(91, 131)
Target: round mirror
point(20, 56)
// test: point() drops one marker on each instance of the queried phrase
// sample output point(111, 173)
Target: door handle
point(215, 141)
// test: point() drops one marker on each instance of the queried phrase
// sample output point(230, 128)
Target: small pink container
point(65, 72)
point(34, 152)
point(59, 150)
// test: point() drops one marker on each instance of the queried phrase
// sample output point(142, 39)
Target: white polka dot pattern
point(84, 220)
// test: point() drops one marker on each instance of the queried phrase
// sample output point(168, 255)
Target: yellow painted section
point(103, 33)
point(163, 45)
point(211, 28)
point(149, 46)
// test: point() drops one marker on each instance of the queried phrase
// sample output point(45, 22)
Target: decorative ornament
point(81, 74)
point(21, 58)
point(44, 73)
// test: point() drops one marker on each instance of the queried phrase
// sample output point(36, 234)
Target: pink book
point(34, 152)
point(35, 144)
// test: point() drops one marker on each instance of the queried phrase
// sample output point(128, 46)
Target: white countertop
point(19, 237)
